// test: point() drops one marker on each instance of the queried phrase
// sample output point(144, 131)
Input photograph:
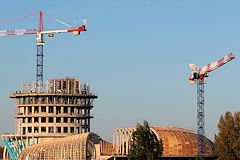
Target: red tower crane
point(198, 77)
point(40, 32)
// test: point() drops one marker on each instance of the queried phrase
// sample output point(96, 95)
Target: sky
point(135, 54)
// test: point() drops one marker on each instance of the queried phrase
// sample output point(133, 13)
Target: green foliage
point(144, 144)
point(227, 142)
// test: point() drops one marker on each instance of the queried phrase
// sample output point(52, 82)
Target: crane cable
point(32, 14)
point(18, 18)
point(58, 20)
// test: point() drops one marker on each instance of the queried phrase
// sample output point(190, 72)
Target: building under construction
point(60, 108)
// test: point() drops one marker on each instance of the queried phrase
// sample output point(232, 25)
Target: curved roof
point(178, 142)
point(77, 146)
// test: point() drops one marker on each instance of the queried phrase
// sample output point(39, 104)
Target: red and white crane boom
point(203, 71)
point(20, 32)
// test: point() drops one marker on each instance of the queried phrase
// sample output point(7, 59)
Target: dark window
point(50, 119)
point(72, 129)
point(36, 109)
point(35, 129)
point(24, 110)
point(65, 129)
point(29, 119)
point(78, 110)
point(43, 129)
point(51, 100)
point(24, 130)
point(43, 109)
point(65, 109)
point(29, 110)
point(29, 129)
point(72, 110)
point(72, 120)
point(23, 120)
point(65, 120)
point(50, 109)
point(35, 119)
point(43, 119)
point(58, 129)
point(58, 109)
point(58, 120)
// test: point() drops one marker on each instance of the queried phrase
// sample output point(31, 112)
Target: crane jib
point(214, 65)
point(203, 72)
point(17, 32)
point(35, 31)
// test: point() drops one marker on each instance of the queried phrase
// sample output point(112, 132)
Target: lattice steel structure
point(200, 117)
point(40, 43)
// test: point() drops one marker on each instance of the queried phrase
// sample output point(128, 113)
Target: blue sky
point(135, 54)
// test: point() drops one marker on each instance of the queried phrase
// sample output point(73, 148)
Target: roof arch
point(80, 146)
point(177, 142)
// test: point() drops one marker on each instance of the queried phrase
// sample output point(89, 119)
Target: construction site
point(53, 118)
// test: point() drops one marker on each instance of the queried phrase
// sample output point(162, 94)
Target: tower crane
point(198, 77)
point(40, 32)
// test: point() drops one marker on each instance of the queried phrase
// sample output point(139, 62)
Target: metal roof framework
point(76, 147)
point(177, 142)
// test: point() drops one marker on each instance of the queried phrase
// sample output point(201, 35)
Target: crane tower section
point(40, 43)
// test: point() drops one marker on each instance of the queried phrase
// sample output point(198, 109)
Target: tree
point(144, 144)
point(227, 142)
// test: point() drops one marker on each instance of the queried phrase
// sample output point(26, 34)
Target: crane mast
point(198, 77)
point(200, 116)
point(40, 43)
